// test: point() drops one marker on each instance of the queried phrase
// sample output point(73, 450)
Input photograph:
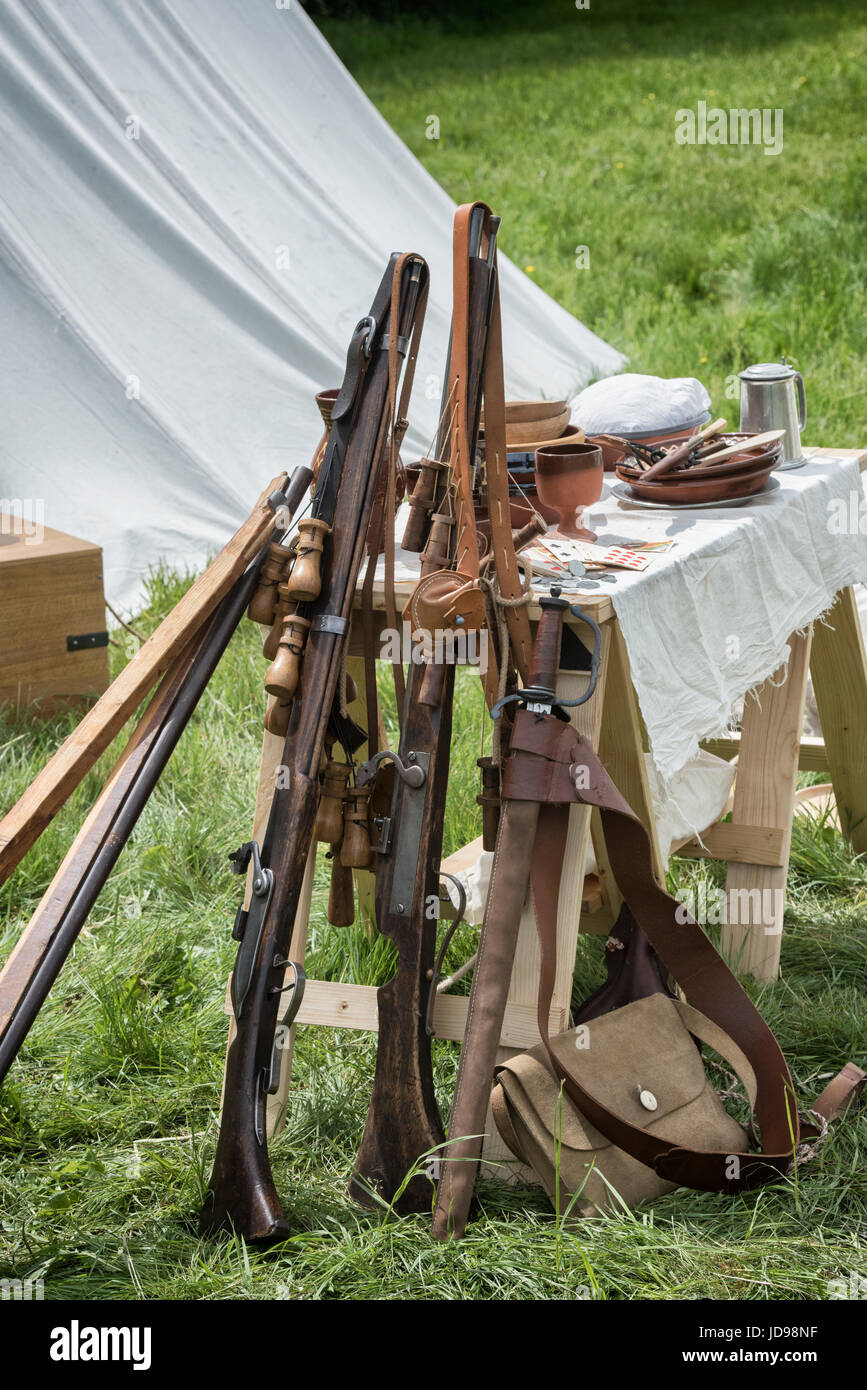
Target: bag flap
point(643, 1046)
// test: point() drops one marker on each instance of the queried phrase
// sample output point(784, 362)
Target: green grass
point(703, 259)
point(107, 1119)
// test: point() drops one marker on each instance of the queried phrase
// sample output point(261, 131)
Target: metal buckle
point(368, 322)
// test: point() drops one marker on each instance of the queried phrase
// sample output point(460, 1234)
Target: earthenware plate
point(624, 494)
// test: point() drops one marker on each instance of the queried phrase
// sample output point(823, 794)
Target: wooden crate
point(53, 640)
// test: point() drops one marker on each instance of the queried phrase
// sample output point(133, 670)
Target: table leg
point(621, 745)
point(839, 670)
point(764, 797)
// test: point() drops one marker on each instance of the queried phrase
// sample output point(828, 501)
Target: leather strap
point(457, 588)
point(497, 487)
point(466, 545)
point(839, 1094)
point(399, 423)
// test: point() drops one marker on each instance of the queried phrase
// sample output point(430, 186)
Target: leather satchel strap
point(706, 1170)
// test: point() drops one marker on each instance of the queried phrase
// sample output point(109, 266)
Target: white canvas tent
point(196, 205)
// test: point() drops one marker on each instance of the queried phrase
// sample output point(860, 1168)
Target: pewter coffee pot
point(769, 402)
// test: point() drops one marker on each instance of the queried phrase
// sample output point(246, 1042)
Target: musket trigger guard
point(299, 979)
point(410, 771)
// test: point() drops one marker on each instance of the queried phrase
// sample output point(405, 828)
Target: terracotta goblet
point(568, 479)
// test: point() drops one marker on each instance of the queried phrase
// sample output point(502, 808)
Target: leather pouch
point(443, 596)
point(642, 1061)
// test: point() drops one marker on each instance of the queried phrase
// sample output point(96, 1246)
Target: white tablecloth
point(711, 618)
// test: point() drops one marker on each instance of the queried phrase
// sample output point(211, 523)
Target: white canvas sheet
point(196, 204)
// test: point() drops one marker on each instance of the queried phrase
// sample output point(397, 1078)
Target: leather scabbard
point(493, 970)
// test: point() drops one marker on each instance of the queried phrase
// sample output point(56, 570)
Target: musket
point(242, 1194)
point(46, 941)
point(403, 1121)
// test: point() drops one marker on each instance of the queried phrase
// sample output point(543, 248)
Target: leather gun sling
point(497, 485)
point(383, 525)
point(467, 546)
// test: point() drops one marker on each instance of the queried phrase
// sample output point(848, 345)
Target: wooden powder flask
point(437, 550)
point(277, 717)
point(282, 605)
point(341, 893)
point(355, 852)
point(305, 580)
point(489, 800)
point(422, 501)
point(264, 600)
point(285, 669)
point(325, 401)
point(329, 817)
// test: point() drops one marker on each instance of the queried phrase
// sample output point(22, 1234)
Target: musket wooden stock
point(403, 1121)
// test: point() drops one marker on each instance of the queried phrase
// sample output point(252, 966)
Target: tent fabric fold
point(196, 204)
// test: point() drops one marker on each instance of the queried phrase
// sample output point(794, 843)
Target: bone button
point(648, 1099)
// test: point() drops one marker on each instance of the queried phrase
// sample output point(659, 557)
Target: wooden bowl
point(519, 412)
point(524, 455)
point(523, 432)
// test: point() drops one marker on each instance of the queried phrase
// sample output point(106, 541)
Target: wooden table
point(755, 844)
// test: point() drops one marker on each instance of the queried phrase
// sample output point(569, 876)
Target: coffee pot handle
point(802, 401)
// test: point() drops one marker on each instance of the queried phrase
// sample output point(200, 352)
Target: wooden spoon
point(770, 437)
point(682, 451)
